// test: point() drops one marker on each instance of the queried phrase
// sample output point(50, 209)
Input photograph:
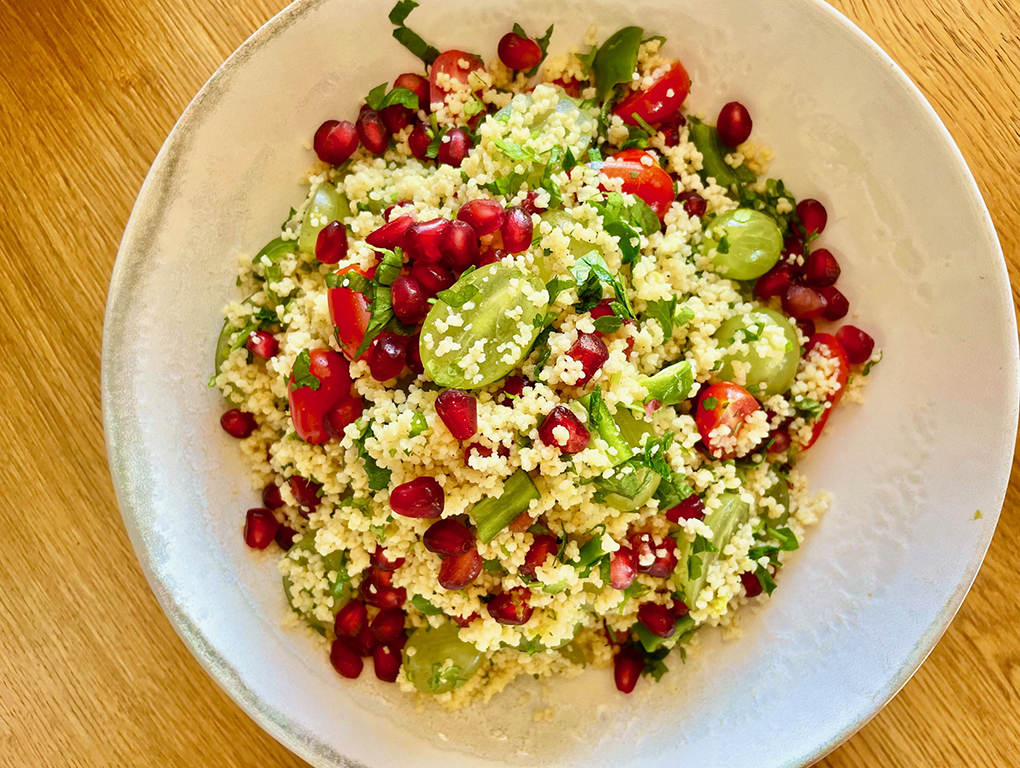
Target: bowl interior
point(875, 583)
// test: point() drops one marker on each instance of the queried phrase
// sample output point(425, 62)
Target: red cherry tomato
point(659, 101)
point(732, 404)
point(307, 405)
point(571, 86)
point(827, 346)
point(350, 314)
point(649, 182)
point(449, 63)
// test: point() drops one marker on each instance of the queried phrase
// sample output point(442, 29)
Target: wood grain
point(91, 674)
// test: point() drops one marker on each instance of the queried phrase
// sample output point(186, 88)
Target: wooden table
point(91, 674)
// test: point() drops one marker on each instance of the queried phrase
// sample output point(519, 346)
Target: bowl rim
point(140, 224)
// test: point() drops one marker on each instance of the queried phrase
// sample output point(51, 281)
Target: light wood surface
point(91, 673)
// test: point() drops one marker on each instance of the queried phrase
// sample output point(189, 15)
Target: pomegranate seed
point(518, 52)
point(364, 642)
point(627, 668)
point(812, 215)
point(409, 302)
point(591, 352)
point(774, 282)
point(271, 498)
point(404, 206)
point(694, 204)
point(284, 537)
point(670, 130)
point(381, 562)
point(793, 245)
point(658, 619)
point(306, 492)
point(260, 526)
point(517, 230)
point(752, 585)
point(238, 423)
point(803, 303)
point(335, 141)
point(622, 568)
point(396, 117)
point(372, 132)
point(656, 560)
point(780, 441)
point(345, 658)
point(433, 278)
point(346, 411)
point(448, 537)
point(458, 571)
point(513, 387)
point(391, 234)
point(542, 548)
point(421, 241)
point(418, 85)
point(262, 344)
point(521, 523)
point(856, 343)
point(691, 508)
point(459, 412)
point(836, 304)
point(397, 645)
point(551, 432)
point(331, 244)
point(421, 497)
point(413, 357)
point(680, 609)
point(388, 624)
point(734, 124)
point(454, 147)
point(459, 246)
point(821, 268)
point(491, 256)
point(418, 141)
point(384, 597)
point(386, 356)
point(477, 449)
point(807, 327)
point(463, 621)
point(350, 619)
point(386, 661)
point(484, 216)
point(381, 577)
point(528, 204)
point(511, 607)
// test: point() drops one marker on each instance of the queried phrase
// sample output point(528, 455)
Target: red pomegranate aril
point(734, 124)
point(381, 577)
point(396, 117)
point(774, 282)
point(622, 568)
point(812, 215)
point(391, 234)
point(541, 549)
point(346, 411)
point(454, 147)
point(518, 52)
point(658, 619)
point(803, 303)
point(463, 621)
point(382, 562)
point(398, 643)
point(752, 585)
point(372, 132)
point(418, 85)
point(459, 246)
point(387, 355)
point(458, 571)
point(448, 538)
point(513, 387)
point(421, 497)
point(386, 662)
point(409, 302)
point(350, 619)
point(331, 244)
point(388, 624)
point(856, 343)
point(577, 435)
point(528, 204)
point(345, 659)
point(364, 642)
point(459, 412)
point(335, 141)
point(591, 352)
point(691, 508)
point(511, 607)
point(384, 597)
point(836, 304)
point(237, 423)
point(262, 344)
point(693, 203)
point(821, 268)
point(305, 491)
point(679, 609)
point(484, 216)
point(780, 441)
point(491, 256)
point(654, 559)
point(433, 278)
point(271, 498)
point(284, 537)
point(807, 327)
point(418, 141)
point(413, 357)
point(627, 668)
point(421, 241)
point(793, 245)
point(517, 230)
point(521, 523)
point(260, 526)
point(390, 212)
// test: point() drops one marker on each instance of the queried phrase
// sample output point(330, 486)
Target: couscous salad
point(525, 377)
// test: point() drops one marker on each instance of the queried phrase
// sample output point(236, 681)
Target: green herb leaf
point(302, 375)
point(556, 286)
point(378, 98)
point(872, 363)
point(768, 202)
point(608, 324)
point(353, 280)
point(569, 161)
point(615, 61)
point(458, 297)
point(635, 590)
point(406, 37)
point(418, 425)
point(664, 312)
point(654, 456)
point(724, 245)
point(807, 407)
point(765, 579)
point(710, 403)
point(591, 267)
point(425, 606)
point(378, 478)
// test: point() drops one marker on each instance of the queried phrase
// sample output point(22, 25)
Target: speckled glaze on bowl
point(875, 584)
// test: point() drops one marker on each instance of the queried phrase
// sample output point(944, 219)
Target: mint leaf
point(378, 98)
point(872, 363)
point(807, 407)
point(635, 590)
point(664, 312)
point(418, 425)
point(353, 280)
point(767, 202)
point(425, 606)
point(556, 286)
point(407, 38)
point(710, 403)
point(302, 375)
point(608, 324)
point(765, 579)
point(458, 297)
point(378, 478)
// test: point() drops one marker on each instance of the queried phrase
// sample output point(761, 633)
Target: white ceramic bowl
point(875, 584)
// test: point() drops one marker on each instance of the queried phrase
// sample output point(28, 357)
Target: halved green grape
point(771, 374)
point(436, 660)
point(691, 573)
point(748, 243)
point(780, 491)
point(327, 205)
point(629, 487)
point(574, 653)
point(567, 113)
point(339, 588)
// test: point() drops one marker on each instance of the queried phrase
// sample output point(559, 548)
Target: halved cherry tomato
point(732, 404)
point(649, 182)
point(350, 313)
point(308, 406)
point(659, 101)
point(828, 346)
point(449, 63)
